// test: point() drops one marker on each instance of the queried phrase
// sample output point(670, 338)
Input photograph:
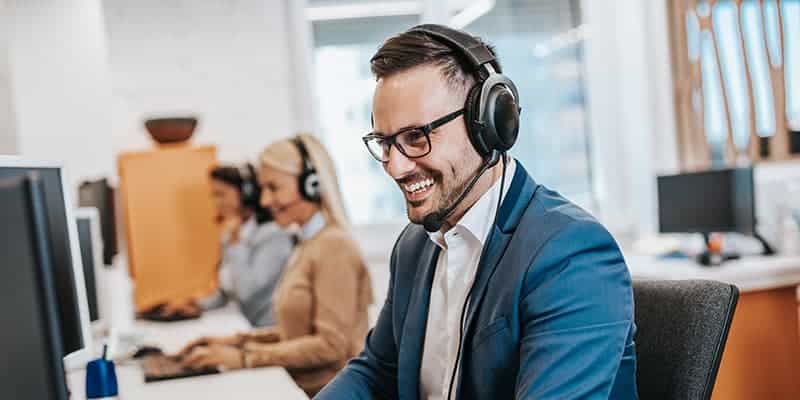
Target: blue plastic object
point(101, 379)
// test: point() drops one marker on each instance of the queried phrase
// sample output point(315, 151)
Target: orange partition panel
point(172, 241)
point(762, 356)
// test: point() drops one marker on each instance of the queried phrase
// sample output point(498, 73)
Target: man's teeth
point(419, 186)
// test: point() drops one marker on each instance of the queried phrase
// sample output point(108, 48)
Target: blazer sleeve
point(373, 374)
point(576, 314)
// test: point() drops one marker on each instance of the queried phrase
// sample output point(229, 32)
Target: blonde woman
point(320, 304)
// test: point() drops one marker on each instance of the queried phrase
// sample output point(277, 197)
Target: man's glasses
point(411, 142)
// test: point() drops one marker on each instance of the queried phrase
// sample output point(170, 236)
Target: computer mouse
point(147, 351)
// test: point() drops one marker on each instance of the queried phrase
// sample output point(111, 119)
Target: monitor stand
point(768, 250)
point(709, 258)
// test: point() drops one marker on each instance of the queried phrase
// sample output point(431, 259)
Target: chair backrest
point(682, 330)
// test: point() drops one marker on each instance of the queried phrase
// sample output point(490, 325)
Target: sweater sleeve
point(335, 288)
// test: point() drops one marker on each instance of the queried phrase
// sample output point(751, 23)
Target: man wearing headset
point(500, 288)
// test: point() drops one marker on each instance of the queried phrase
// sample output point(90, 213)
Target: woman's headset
point(249, 190)
point(250, 193)
point(308, 180)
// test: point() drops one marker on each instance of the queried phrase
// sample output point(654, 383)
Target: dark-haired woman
point(254, 249)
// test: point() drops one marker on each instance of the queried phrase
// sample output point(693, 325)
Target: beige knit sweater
point(320, 311)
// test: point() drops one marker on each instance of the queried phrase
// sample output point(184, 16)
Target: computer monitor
point(87, 221)
point(73, 308)
point(100, 195)
point(707, 202)
point(30, 338)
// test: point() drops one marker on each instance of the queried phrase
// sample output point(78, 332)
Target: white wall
point(59, 83)
point(302, 76)
point(226, 61)
point(78, 77)
point(8, 129)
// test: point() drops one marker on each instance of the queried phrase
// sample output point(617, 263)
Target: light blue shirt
point(312, 226)
point(251, 269)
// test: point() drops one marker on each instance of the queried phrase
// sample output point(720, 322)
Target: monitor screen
point(73, 312)
point(100, 195)
point(30, 335)
point(706, 202)
point(86, 241)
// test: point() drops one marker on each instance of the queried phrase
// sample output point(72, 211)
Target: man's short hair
point(410, 49)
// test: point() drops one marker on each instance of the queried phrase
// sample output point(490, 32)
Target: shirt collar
point(312, 226)
point(477, 221)
point(248, 229)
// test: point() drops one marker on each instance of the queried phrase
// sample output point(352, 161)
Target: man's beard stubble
point(451, 195)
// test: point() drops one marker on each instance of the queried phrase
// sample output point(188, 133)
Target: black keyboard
point(161, 367)
point(155, 314)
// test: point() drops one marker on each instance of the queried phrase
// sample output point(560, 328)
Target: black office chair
point(682, 330)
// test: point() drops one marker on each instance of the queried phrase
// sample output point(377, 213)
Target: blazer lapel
point(519, 195)
point(410, 353)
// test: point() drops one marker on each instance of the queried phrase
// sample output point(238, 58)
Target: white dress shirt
point(455, 272)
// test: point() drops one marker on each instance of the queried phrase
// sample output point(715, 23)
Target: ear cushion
point(250, 191)
point(308, 181)
point(309, 186)
point(474, 121)
point(502, 118)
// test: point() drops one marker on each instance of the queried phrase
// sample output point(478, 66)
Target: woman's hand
point(184, 307)
point(210, 341)
point(264, 335)
point(215, 355)
point(230, 228)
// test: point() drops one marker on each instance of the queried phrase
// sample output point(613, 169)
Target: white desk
point(262, 383)
point(762, 354)
point(748, 274)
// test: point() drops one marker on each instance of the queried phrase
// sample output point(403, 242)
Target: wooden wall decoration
point(172, 241)
point(704, 81)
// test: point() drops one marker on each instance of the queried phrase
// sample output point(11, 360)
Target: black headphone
point(308, 181)
point(250, 193)
point(250, 190)
point(492, 108)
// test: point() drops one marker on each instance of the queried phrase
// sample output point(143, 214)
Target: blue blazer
point(551, 313)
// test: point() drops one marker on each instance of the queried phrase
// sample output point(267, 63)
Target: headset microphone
point(284, 207)
point(434, 221)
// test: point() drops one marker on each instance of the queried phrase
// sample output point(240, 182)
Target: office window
point(540, 44)
point(791, 45)
point(714, 107)
point(344, 86)
point(726, 24)
point(755, 45)
point(748, 57)
point(540, 48)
